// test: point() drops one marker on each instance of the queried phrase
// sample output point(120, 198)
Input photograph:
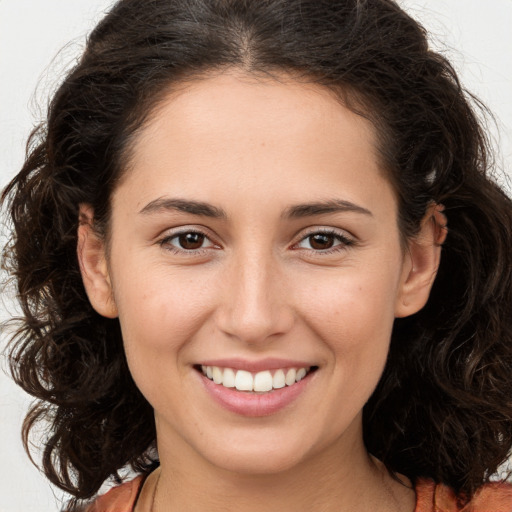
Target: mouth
point(261, 382)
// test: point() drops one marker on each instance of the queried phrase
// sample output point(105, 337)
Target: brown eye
point(324, 242)
point(191, 241)
point(321, 241)
point(187, 241)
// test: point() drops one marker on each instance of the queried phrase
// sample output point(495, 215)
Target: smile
point(260, 382)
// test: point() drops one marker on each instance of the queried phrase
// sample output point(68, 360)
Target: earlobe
point(92, 259)
point(422, 262)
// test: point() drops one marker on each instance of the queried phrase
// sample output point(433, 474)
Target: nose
point(255, 305)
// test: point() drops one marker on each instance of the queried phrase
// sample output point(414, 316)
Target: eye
point(325, 241)
point(187, 241)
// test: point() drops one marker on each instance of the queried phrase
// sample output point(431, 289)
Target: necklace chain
point(153, 498)
point(389, 492)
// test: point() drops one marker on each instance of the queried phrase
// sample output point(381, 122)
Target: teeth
point(217, 374)
point(263, 381)
point(290, 377)
point(243, 381)
point(260, 382)
point(278, 380)
point(300, 374)
point(229, 378)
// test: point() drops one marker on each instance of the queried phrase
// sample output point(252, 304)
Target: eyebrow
point(186, 206)
point(323, 207)
point(293, 212)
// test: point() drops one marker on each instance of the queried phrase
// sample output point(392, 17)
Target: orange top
point(430, 497)
point(119, 499)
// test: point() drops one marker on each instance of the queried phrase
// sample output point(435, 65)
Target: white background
point(475, 34)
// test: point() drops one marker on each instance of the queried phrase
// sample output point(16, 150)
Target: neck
point(327, 482)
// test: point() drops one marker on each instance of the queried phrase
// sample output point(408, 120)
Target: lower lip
point(255, 404)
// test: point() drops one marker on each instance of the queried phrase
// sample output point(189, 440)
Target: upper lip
point(256, 366)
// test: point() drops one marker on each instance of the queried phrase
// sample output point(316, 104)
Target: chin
point(258, 457)
point(257, 462)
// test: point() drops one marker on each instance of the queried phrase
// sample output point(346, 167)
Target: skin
point(258, 287)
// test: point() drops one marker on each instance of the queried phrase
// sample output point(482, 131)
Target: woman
point(261, 263)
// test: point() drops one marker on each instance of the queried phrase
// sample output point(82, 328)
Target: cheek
point(353, 314)
point(160, 310)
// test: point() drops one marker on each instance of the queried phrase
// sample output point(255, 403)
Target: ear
point(91, 253)
point(421, 262)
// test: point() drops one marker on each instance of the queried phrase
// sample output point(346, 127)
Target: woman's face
point(255, 233)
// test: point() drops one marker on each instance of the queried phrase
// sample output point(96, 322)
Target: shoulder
point(432, 497)
point(119, 499)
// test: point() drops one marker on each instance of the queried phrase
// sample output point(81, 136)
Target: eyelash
point(344, 240)
point(166, 243)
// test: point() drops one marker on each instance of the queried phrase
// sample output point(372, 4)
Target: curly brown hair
point(443, 407)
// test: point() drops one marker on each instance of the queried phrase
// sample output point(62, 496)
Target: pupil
point(320, 241)
point(191, 240)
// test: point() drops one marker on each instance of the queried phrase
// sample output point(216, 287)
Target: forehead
point(246, 133)
point(260, 105)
